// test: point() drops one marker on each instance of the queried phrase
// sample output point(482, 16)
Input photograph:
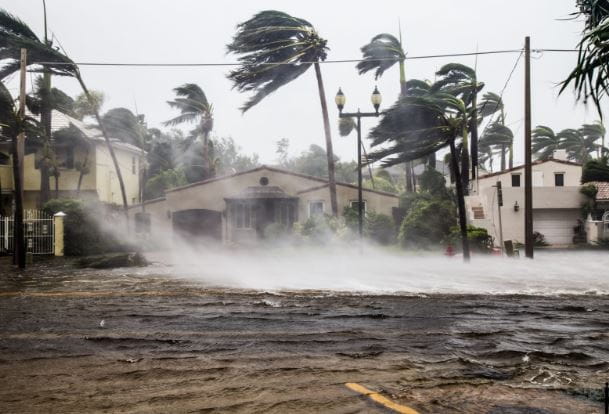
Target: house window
point(285, 213)
point(4, 159)
point(133, 169)
point(515, 180)
point(559, 179)
point(316, 208)
point(354, 205)
point(243, 216)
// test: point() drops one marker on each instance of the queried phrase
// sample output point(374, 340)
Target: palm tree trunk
point(402, 78)
point(474, 129)
point(45, 120)
point(82, 171)
point(19, 242)
point(329, 151)
point(511, 160)
point(465, 162)
point(502, 157)
point(460, 200)
point(109, 145)
point(409, 188)
point(206, 161)
point(431, 160)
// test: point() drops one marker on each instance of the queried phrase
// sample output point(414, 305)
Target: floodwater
point(173, 339)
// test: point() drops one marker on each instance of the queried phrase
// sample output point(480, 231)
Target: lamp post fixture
point(376, 100)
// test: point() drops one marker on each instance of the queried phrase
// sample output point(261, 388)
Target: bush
point(155, 186)
point(380, 228)
point(434, 183)
point(595, 170)
point(427, 223)
point(83, 233)
point(479, 239)
point(380, 184)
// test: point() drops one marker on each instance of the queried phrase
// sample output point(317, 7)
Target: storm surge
point(381, 271)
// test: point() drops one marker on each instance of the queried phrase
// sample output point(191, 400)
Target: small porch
point(251, 213)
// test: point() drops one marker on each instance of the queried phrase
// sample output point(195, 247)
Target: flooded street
point(139, 340)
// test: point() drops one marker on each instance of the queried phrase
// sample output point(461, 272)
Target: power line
point(195, 64)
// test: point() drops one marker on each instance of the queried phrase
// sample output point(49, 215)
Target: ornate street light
point(376, 100)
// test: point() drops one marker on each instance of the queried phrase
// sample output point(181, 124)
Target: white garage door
point(556, 225)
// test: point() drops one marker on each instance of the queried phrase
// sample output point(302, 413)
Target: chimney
point(560, 155)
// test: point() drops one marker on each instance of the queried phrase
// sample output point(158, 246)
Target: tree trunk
point(465, 162)
point(460, 200)
point(56, 186)
point(402, 78)
point(414, 177)
point(19, 242)
point(511, 159)
point(431, 160)
point(409, 188)
point(502, 157)
point(474, 129)
point(82, 171)
point(329, 151)
point(109, 145)
point(45, 120)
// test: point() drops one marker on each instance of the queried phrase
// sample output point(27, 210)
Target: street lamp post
point(376, 100)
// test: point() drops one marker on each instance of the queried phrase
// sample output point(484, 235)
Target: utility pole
point(499, 205)
point(19, 149)
point(528, 173)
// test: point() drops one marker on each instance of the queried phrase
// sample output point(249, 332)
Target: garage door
point(556, 224)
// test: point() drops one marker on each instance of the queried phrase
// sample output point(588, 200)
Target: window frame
point(353, 204)
point(519, 175)
point(562, 175)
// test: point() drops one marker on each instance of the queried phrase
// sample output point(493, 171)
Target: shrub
point(427, 223)
point(83, 233)
point(155, 186)
point(479, 239)
point(434, 183)
point(380, 228)
point(595, 170)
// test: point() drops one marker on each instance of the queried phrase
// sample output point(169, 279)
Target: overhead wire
point(203, 64)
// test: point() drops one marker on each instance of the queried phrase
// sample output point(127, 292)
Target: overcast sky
point(198, 31)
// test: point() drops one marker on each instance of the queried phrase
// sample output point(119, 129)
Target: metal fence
point(38, 232)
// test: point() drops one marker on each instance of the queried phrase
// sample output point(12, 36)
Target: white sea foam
point(381, 271)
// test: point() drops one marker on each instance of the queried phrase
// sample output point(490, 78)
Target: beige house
point(238, 207)
point(557, 202)
point(100, 182)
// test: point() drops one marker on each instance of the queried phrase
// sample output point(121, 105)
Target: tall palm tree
point(415, 127)
point(497, 135)
point(16, 35)
point(594, 132)
point(194, 108)
point(381, 53)
point(12, 125)
point(276, 48)
point(461, 80)
point(578, 146)
point(544, 142)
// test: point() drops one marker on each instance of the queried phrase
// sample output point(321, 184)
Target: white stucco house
point(557, 202)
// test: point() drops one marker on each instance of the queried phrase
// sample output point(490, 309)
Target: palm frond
point(383, 51)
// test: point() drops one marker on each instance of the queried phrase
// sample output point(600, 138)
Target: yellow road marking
point(378, 398)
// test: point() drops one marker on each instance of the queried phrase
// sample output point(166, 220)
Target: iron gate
point(38, 232)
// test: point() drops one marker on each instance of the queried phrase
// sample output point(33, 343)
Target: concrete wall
point(345, 195)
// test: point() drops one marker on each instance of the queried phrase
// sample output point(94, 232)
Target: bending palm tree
point(594, 132)
point(383, 51)
point(577, 145)
point(499, 136)
point(16, 35)
point(194, 107)
point(417, 126)
point(275, 49)
point(545, 142)
point(461, 81)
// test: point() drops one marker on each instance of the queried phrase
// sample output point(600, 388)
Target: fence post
point(58, 242)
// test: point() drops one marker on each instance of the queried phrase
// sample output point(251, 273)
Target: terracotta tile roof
point(603, 190)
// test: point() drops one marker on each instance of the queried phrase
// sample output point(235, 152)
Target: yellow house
point(100, 181)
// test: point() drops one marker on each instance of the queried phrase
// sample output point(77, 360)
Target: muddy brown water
point(176, 345)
